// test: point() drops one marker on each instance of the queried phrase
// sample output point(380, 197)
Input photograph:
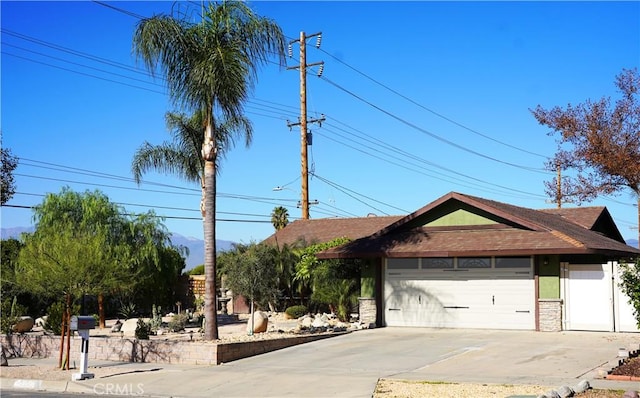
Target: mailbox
point(82, 322)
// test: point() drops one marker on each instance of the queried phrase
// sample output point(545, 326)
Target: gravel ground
point(409, 389)
point(413, 389)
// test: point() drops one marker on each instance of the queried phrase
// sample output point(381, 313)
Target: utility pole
point(304, 136)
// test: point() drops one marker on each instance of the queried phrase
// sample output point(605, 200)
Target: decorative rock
point(260, 323)
point(551, 394)
point(581, 387)
point(41, 321)
point(319, 323)
point(630, 394)
point(129, 327)
point(116, 326)
point(306, 321)
point(565, 392)
point(25, 324)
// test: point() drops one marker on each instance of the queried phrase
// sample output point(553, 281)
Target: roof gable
point(458, 210)
point(459, 217)
point(597, 219)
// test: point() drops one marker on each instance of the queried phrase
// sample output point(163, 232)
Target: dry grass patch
point(412, 389)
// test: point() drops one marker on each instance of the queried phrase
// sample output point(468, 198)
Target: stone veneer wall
point(550, 311)
point(158, 351)
point(367, 310)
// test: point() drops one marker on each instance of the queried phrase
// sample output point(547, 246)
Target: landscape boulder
point(24, 324)
point(129, 327)
point(260, 323)
point(41, 321)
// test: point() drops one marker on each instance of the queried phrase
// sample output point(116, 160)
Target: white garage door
point(460, 293)
point(594, 300)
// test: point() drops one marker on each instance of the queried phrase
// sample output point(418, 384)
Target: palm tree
point(279, 217)
point(210, 67)
point(182, 155)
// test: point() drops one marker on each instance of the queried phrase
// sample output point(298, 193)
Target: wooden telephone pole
point(303, 121)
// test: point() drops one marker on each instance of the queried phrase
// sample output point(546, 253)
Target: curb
point(622, 378)
point(33, 385)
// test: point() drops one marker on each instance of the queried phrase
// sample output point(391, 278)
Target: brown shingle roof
point(584, 216)
point(326, 229)
point(522, 232)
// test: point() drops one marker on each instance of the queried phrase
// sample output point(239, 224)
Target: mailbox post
point(83, 324)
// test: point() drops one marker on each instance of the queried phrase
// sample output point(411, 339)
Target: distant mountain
point(195, 246)
point(6, 233)
point(632, 242)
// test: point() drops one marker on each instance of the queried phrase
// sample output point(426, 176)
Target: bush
point(178, 322)
point(143, 330)
point(156, 318)
point(54, 316)
point(10, 313)
point(128, 310)
point(296, 311)
point(630, 284)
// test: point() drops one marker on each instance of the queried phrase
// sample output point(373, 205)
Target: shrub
point(128, 310)
point(156, 318)
point(54, 318)
point(10, 314)
point(178, 322)
point(296, 311)
point(143, 330)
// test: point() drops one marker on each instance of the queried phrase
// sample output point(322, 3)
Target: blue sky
point(420, 99)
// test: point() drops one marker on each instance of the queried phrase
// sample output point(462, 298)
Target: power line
point(448, 119)
point(431, 110)
point(433, 135)
point(404, 153)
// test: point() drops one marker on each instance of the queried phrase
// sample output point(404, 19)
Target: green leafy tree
point(9, 163)
point(334, 283)
point(197, 270)
point(286, 258)
point(210, 68)
point(10, 249)
point(279, 217)
point(84, 244)
point(630, 283)
point(251, 273)
point(598, 140)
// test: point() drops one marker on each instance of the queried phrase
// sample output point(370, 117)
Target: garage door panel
point(594, 300)
point(460, 300)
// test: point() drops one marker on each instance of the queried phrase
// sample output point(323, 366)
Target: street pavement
point(350, 365)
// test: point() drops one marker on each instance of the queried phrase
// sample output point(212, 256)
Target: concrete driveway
point(350, 365)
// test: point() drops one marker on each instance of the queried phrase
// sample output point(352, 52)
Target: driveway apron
point(350, 365)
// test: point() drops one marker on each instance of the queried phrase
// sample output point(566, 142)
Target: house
point(468, 262)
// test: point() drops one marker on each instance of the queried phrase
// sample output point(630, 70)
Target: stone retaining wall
point(158, 351)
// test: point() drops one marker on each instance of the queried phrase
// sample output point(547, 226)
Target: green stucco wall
point(460, 217)
point(368, 280)
point(549, 277)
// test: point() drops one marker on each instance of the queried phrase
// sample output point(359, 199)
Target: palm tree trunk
point(210, 310)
